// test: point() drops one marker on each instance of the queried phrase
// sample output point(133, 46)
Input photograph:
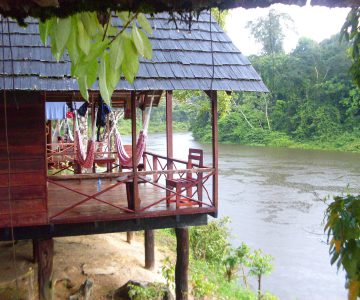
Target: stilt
point(129, 236)
point(149, 250)
point(44, 253)
point(34, 243)
point(182, 263)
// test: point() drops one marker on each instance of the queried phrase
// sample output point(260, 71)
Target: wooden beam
point(44, 253)
point(182, 263)
point(135, 186)
point(149, 249)
point(215, 145)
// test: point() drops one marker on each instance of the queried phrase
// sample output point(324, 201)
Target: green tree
point(269, 31)
point(351, 32)
point(260, 265)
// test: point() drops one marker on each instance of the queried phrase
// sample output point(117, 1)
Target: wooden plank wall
point(26, 135)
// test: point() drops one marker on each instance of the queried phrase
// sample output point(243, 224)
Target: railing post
point(155, 168)
point(135, 186)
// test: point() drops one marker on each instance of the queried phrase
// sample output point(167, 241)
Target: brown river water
point(273, 197)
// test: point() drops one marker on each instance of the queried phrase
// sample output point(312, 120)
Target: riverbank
point(347, 142)
point(107, 260)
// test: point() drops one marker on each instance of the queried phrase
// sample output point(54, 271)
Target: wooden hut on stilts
point(46, 188)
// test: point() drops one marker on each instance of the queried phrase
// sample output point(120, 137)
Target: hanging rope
point(7, 145)
point(85, 159)
point(124, 158)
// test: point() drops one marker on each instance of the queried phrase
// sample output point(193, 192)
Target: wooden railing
point(159, 168)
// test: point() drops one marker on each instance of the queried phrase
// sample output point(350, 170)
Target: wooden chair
point(192, 180)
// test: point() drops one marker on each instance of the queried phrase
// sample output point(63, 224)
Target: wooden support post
point(143, 121)
point(182, 263)
point(44, 253)
point(129, 236)
point(169, 138)
point(149, 250)
point(169, 128)
point(49, 132)
point(135, 187)
point(215, 149)
point(34, 243)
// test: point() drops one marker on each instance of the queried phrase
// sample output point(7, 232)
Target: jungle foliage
point(313, 103)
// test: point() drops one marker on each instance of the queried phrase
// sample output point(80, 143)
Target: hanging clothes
point(55, 110)
point(103, 111)
point(82, 110)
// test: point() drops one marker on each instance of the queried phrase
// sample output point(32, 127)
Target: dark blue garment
point(103, 111)
point(83, 109)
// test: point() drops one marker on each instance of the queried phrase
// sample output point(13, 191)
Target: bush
point(210, 242)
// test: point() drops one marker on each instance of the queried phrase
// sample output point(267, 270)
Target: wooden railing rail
point(121, 174)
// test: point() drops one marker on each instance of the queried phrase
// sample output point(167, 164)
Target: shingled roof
point(182, 60)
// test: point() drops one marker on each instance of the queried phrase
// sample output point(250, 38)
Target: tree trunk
point(182, 263)
point(259, 288)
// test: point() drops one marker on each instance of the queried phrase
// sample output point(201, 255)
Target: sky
point(317, 23)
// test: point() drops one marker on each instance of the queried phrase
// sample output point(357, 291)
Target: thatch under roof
point(21, 9)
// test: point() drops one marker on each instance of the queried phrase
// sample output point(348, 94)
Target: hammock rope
point(124, 158)
point(85, 159)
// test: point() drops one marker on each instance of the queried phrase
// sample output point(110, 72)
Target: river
point(273, 197)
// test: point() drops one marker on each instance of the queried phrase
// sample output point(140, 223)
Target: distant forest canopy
point(313, 103)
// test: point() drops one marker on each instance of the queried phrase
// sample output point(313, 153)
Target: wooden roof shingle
point(183, 59)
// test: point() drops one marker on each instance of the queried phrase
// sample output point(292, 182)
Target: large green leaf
point(102, 78)
point(130, 65)
point(83, 40)
point(62, 33)
point(138, 41)
point(90, 22)
point(124, 15)
point(112, 77)
point(147, 45)
point(117, 52)
point(82, 82)
point(96, 50)
point(92, 72)
point(72, 45)
point(44, 29)
point(144, 23)
point(141, 42)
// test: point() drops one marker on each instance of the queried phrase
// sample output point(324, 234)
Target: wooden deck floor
point(60, 198)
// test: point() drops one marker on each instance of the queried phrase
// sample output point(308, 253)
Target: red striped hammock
point(85, 159)
point(124, 158)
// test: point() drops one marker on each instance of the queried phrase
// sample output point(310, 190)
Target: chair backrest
point(195, 158)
